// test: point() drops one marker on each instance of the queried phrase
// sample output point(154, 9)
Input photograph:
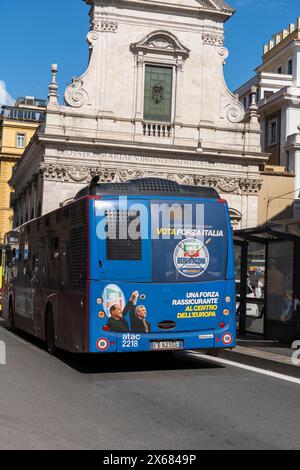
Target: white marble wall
point(100, 129)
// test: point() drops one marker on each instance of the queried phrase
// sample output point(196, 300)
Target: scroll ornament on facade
point(235, 112)
point(75, 95)
point(232, 110)
point(92, 37)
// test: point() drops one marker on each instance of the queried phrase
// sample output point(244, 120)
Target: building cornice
point(35, 156)
point(293, 142)
point(12, 158)
point(282, 39)
point(279, 99)
point(65, 111)
point(142, 147)
point(277, 55)
point(19, 124)
point(206, 7)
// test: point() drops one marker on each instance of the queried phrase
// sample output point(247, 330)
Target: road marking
point(27, 343)
point(206, 358)
point(9, 333)
point(257, 341)
point(269, 373)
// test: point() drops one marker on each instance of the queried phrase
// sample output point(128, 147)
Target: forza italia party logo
point(112, 295)
point(191, 257)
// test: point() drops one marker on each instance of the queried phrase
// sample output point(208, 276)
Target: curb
point(260, 359)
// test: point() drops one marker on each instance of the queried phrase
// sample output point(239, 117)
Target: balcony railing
point(157, 130)
point(20, 114)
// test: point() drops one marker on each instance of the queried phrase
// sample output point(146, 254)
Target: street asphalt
point(156, 401)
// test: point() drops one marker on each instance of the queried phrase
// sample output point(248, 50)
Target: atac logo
point(191, 257)
point(112, 295)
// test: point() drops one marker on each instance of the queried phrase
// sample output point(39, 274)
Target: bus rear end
point(171, 278)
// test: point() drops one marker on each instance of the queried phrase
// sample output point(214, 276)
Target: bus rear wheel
point(50, 333)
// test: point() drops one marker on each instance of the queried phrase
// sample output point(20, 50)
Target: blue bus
point(145, 265)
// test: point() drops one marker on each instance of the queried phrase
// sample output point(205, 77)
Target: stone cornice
point(207, 7)
point(65, 111)
point(144, 148)
point(7, 157)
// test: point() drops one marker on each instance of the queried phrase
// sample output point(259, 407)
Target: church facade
point(152, 102)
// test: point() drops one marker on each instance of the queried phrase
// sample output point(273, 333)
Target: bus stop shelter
point(268, 280)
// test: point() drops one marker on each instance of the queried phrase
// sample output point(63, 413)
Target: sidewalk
point(265, 354)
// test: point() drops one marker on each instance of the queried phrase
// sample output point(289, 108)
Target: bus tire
point(11, 326)
point(50, 332)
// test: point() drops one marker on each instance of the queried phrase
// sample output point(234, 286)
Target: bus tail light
point(222, 324)
point(106, 328)
point(226, 312)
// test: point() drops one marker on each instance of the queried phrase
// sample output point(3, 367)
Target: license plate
point(166, 345)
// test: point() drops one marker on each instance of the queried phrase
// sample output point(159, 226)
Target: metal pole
point(266, 291)
point(243, 289)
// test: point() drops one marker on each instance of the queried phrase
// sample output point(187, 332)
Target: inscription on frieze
point(140, 159)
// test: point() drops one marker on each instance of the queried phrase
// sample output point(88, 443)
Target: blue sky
point(37, 33)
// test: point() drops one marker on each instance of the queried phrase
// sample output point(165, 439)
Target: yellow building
point(18, 124)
